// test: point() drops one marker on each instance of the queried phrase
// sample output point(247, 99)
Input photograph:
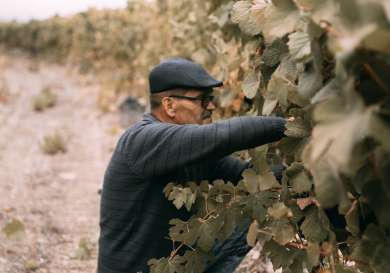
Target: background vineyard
point(326, 63)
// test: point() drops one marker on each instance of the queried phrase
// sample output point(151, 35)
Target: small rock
point(67, 176)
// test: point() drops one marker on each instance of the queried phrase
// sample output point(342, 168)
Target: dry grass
point(54, 144)
point(46, 99)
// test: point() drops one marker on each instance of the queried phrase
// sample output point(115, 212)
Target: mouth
point(206, 115)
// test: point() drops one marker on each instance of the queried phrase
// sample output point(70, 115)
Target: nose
point(211, 106)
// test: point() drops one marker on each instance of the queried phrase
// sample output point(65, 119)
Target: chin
point(207, 121)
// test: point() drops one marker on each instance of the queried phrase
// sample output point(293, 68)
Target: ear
point(168, 106)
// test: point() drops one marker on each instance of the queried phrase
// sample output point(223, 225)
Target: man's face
point(192, 111)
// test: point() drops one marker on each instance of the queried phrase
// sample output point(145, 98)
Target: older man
point(176, 142)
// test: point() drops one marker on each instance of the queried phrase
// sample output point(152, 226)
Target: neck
point(161, 116)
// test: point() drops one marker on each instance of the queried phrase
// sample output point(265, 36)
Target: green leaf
point(279, 211)
point(375, 195)
point(187, 232)
point(180, 196)
point(328, 186)
point(343, 269)
point(283, 231)
point(299, 45)
point(297, 129)
point(255, 205)
point(194, 262)
point(274, 53)
point(229, 217)
point(315, 227)
point(378, 262)
point(268, 181)
point(301, 183)
point(259, 159)
point(293, 146)
point(207, 235)
point(280, 256)
point(251, 180)
point(277, 92)
point(364, 250)
point(161, 266)
point(313, 254)
point(331, 89)
point(251, 84)
point(340, 131)
point(311, 79)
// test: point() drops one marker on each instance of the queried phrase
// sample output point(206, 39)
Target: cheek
point(191, 115)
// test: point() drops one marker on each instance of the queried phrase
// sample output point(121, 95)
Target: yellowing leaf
point(274, 19)
point(251, 84)
point(279, 211)
point(299, 45)
point(251, 180)
point(251, 236)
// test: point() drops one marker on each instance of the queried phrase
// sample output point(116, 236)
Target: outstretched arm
point(159, 148)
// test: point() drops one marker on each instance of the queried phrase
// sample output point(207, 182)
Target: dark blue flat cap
point(180, 73)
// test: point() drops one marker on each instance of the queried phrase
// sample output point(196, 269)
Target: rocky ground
point(53, 196)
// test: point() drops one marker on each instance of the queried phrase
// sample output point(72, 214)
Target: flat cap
point(180, 73)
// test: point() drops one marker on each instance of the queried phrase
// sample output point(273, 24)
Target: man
point(176, 142)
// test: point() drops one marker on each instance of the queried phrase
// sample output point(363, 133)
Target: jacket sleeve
point(159, 148)
point(229, 169)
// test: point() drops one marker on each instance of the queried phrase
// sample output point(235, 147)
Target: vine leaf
point(274, 53)
point(280, 256)
point(279, 211)
point(315, 227)
point(180, 196)
point(242, 15)
point(283, 231)
point(370, 247)
point(251, 84)
point(251, 236)
point(274, 19)
point(310, 80)
point(297, 129)
point(299, 45)
point(251, 180)
point(313, 254)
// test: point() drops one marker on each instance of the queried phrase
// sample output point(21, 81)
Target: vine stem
point(332, 264)
point(204, 219)
point(173, 253)
point(376, 78)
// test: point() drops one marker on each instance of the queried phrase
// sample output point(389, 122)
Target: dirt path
point(55, 197)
